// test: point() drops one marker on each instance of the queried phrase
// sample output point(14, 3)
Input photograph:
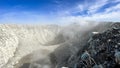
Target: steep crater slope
point(73, 37)
point(17, 41)
point(44, 46)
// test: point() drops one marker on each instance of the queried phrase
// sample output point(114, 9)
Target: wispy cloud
point(94, 10)
point(99, 10)
point(116, 1)
point(113, 8)
point(97, 5)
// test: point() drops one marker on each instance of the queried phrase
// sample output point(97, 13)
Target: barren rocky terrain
point(42, 46)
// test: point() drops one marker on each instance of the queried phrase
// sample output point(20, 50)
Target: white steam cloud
point(46, 46)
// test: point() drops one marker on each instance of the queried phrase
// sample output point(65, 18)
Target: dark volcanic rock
point(101, 51)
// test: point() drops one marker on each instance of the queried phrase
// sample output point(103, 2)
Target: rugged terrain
point(44, 46)
point(101, 51)
point(16, 41)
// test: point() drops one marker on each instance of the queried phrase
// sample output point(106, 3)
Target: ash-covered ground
point(91, 45)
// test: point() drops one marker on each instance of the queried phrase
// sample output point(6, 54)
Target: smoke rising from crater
point(49, 46)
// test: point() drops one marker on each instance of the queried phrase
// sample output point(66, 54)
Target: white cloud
point(81, 7)
point(65, 16)
point(105, 16)
point(96, 5)
point(91, 7)
point(116, 1)
point(113, 8)
point(110, 14)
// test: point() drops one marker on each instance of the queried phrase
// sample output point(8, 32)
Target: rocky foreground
point(101, 51)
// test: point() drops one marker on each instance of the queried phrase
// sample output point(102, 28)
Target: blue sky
point(58, 11)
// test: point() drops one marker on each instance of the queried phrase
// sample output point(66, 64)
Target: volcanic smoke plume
point(44, 46)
